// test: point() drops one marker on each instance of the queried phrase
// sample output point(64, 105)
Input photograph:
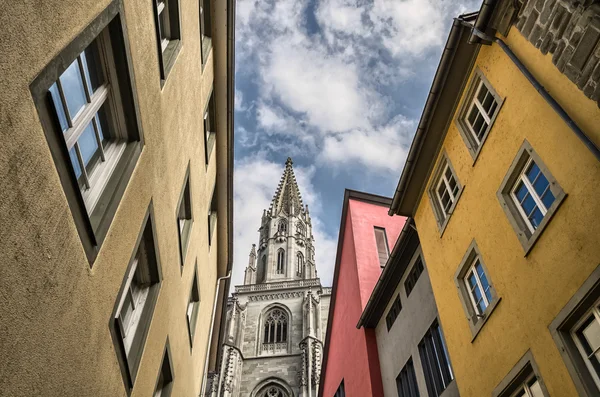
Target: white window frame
point(94, 180)
point(137, 295)
point(381, 236)
point(522, 178)
point(453, 196)
point(526, 388)
point(443, 215)
point(595, 311)
point(162, 6)
point(472, 140)
point(473, 270)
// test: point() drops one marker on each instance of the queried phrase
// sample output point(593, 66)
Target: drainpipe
point(542, 91)
point(212, 325)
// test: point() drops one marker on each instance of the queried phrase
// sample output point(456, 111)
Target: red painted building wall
point(350, 353)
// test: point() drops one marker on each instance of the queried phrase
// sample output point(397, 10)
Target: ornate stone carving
point(570, 31)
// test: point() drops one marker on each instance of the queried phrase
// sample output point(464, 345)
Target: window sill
point(476, 328)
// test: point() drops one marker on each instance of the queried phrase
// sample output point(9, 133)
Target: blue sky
point(339, 86)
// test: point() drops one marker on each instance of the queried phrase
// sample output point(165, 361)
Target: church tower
point(276, 321)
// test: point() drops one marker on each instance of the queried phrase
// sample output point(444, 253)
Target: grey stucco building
point(276, 321)
point(412, 351)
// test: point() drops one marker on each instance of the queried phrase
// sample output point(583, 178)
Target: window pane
point(521, 191)
point(473, 115)
point(87, 144)
point(479, 126)
point(592, 334)
point(91, 67)
point(535, 388)
point(540, 184)
point(75, 162)
point(60, 111)
point(72, 86)
point(482, 93)
point(536, 217)
point(488, 102)
point(484, 282)
point(548, 198)
point(533, 171)
point(528, 204)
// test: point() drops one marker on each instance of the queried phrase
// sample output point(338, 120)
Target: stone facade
point(570, 31)
point(276, 321)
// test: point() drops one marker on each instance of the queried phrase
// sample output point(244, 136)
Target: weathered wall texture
point(401, 342)
point(533, 288)
point(55, 310)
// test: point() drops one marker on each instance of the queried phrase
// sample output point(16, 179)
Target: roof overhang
point(450, 79)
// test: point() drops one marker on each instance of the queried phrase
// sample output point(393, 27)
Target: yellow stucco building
point(503, 181)
point(116, 200)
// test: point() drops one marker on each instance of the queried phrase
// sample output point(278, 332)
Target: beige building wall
point(54, 308)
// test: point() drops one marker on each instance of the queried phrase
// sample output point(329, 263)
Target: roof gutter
point(481, 23)
point(436, 87)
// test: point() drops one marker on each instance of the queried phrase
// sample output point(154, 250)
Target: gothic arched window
point(283, 226)
point(280, 261)
point(272, 391)
point(300, 229)
point(275, 329)
point(299, 263)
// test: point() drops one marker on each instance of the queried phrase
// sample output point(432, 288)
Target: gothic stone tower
point(276, 321)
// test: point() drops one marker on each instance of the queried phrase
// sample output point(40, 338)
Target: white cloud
point(255, 181)
point(239, 101)
point(385, 147)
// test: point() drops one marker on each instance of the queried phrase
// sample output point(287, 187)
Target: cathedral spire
point(287, 199)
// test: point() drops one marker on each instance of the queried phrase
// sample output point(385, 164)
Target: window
point(413, 276)
point(166, 15)
point(478, 112)
point(522, 381)
point(444, 192)
point(282, 226)
point(193, 306)
point(586, 335)
point(300, 229)
point(280, 261)
point(136, 302)
point(82, 97)
point(210, 130)
point(476, 291)
point(341, 391)
point(435, 361)
point(529, 196)
point(272, 390)
point(299, 263)
point(275, 331)
point(393, 313)
point(205, 29)
point(382, 245)
point(407, 381)
point(576, 331)
point(184, 218)
point(212, 216)
point(164, 383)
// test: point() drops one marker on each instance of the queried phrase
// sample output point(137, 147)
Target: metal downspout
point(543, 92)
point(212, 325)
